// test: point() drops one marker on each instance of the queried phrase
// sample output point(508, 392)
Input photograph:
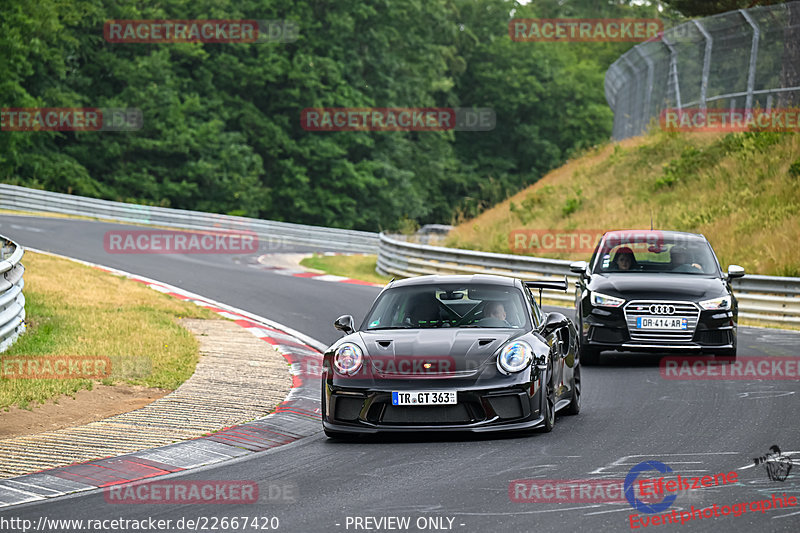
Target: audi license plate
point(660, 322)
point(424, 398)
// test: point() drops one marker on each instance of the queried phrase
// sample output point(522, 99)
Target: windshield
point(448, 306)
point(677, 254)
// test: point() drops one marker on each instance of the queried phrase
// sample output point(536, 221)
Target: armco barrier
point(769, 299)
point(24, 199)
point(12, 302)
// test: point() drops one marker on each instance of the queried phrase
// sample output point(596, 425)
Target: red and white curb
point(303, 273)
point(296, 417)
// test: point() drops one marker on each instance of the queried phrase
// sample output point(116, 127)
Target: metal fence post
point(751, 73)
point(632, 116)
point(649, 91)
point(673, 68)
point(706, 63)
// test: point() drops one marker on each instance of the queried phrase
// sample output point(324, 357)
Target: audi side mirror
point(579, 267)
point(735, 271)
point(344, 323)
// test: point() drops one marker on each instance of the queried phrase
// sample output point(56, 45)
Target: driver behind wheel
point(494, 315)
point(682, 261)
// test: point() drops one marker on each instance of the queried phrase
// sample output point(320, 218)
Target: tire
point(590, 356)
point(575, 405)
point(550, 401)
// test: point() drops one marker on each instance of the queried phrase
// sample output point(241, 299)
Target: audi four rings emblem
point(661, 309)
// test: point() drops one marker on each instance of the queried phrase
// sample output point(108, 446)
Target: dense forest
point(221, 122)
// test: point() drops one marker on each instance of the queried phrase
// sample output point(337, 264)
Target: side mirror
point(554, 321)
point(735, 271)
point(344, 323)
point(579, 267)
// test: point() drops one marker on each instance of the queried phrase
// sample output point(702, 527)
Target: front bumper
point(610, 329)
point(370, 410)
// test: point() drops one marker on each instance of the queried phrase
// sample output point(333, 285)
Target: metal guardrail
point(764, 298)
point(24, 199)
point(12, 302)
point(768, 299)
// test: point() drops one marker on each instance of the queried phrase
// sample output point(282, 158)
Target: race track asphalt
point(461, 482)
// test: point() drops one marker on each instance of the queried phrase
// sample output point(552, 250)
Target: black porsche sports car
point(655, 291)
point(444, 353)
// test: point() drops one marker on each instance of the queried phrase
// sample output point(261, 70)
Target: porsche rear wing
point(549, 285)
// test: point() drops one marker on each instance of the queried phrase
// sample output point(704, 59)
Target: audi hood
point(638, 286)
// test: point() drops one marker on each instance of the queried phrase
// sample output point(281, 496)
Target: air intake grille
point(661, 308)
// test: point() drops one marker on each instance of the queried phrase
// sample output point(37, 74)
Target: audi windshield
point(656, 253)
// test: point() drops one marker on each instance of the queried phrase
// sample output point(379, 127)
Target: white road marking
point(655, 456)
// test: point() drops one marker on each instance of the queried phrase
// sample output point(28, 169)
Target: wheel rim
point(576, 385)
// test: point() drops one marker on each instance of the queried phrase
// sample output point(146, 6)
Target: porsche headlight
point(603, 300)
point(717, 304)
point(514, 357)
point(348, 358)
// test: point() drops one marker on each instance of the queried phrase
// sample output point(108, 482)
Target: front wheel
point(549, 401)
point(575, 405)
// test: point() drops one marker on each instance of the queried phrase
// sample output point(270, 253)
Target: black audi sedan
point(452, 353)
point(655, 291)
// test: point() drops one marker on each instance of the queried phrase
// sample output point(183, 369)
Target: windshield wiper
point(390, 327)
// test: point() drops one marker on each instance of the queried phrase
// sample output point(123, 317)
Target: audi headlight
point(348, 358)
point(514, 357)
point(603, 300)
point(717, 304)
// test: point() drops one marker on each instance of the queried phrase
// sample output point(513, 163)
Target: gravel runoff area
point(238, 378)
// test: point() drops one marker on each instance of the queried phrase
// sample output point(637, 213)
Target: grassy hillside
point(740, 190)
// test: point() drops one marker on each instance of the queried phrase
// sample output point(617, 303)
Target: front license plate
point(424, 398)
point(660, 322)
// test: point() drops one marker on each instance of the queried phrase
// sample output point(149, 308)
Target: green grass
point(75, 310)
point(361, 267)
point(741, 190)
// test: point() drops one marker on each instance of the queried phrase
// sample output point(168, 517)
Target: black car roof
point(486, 279)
